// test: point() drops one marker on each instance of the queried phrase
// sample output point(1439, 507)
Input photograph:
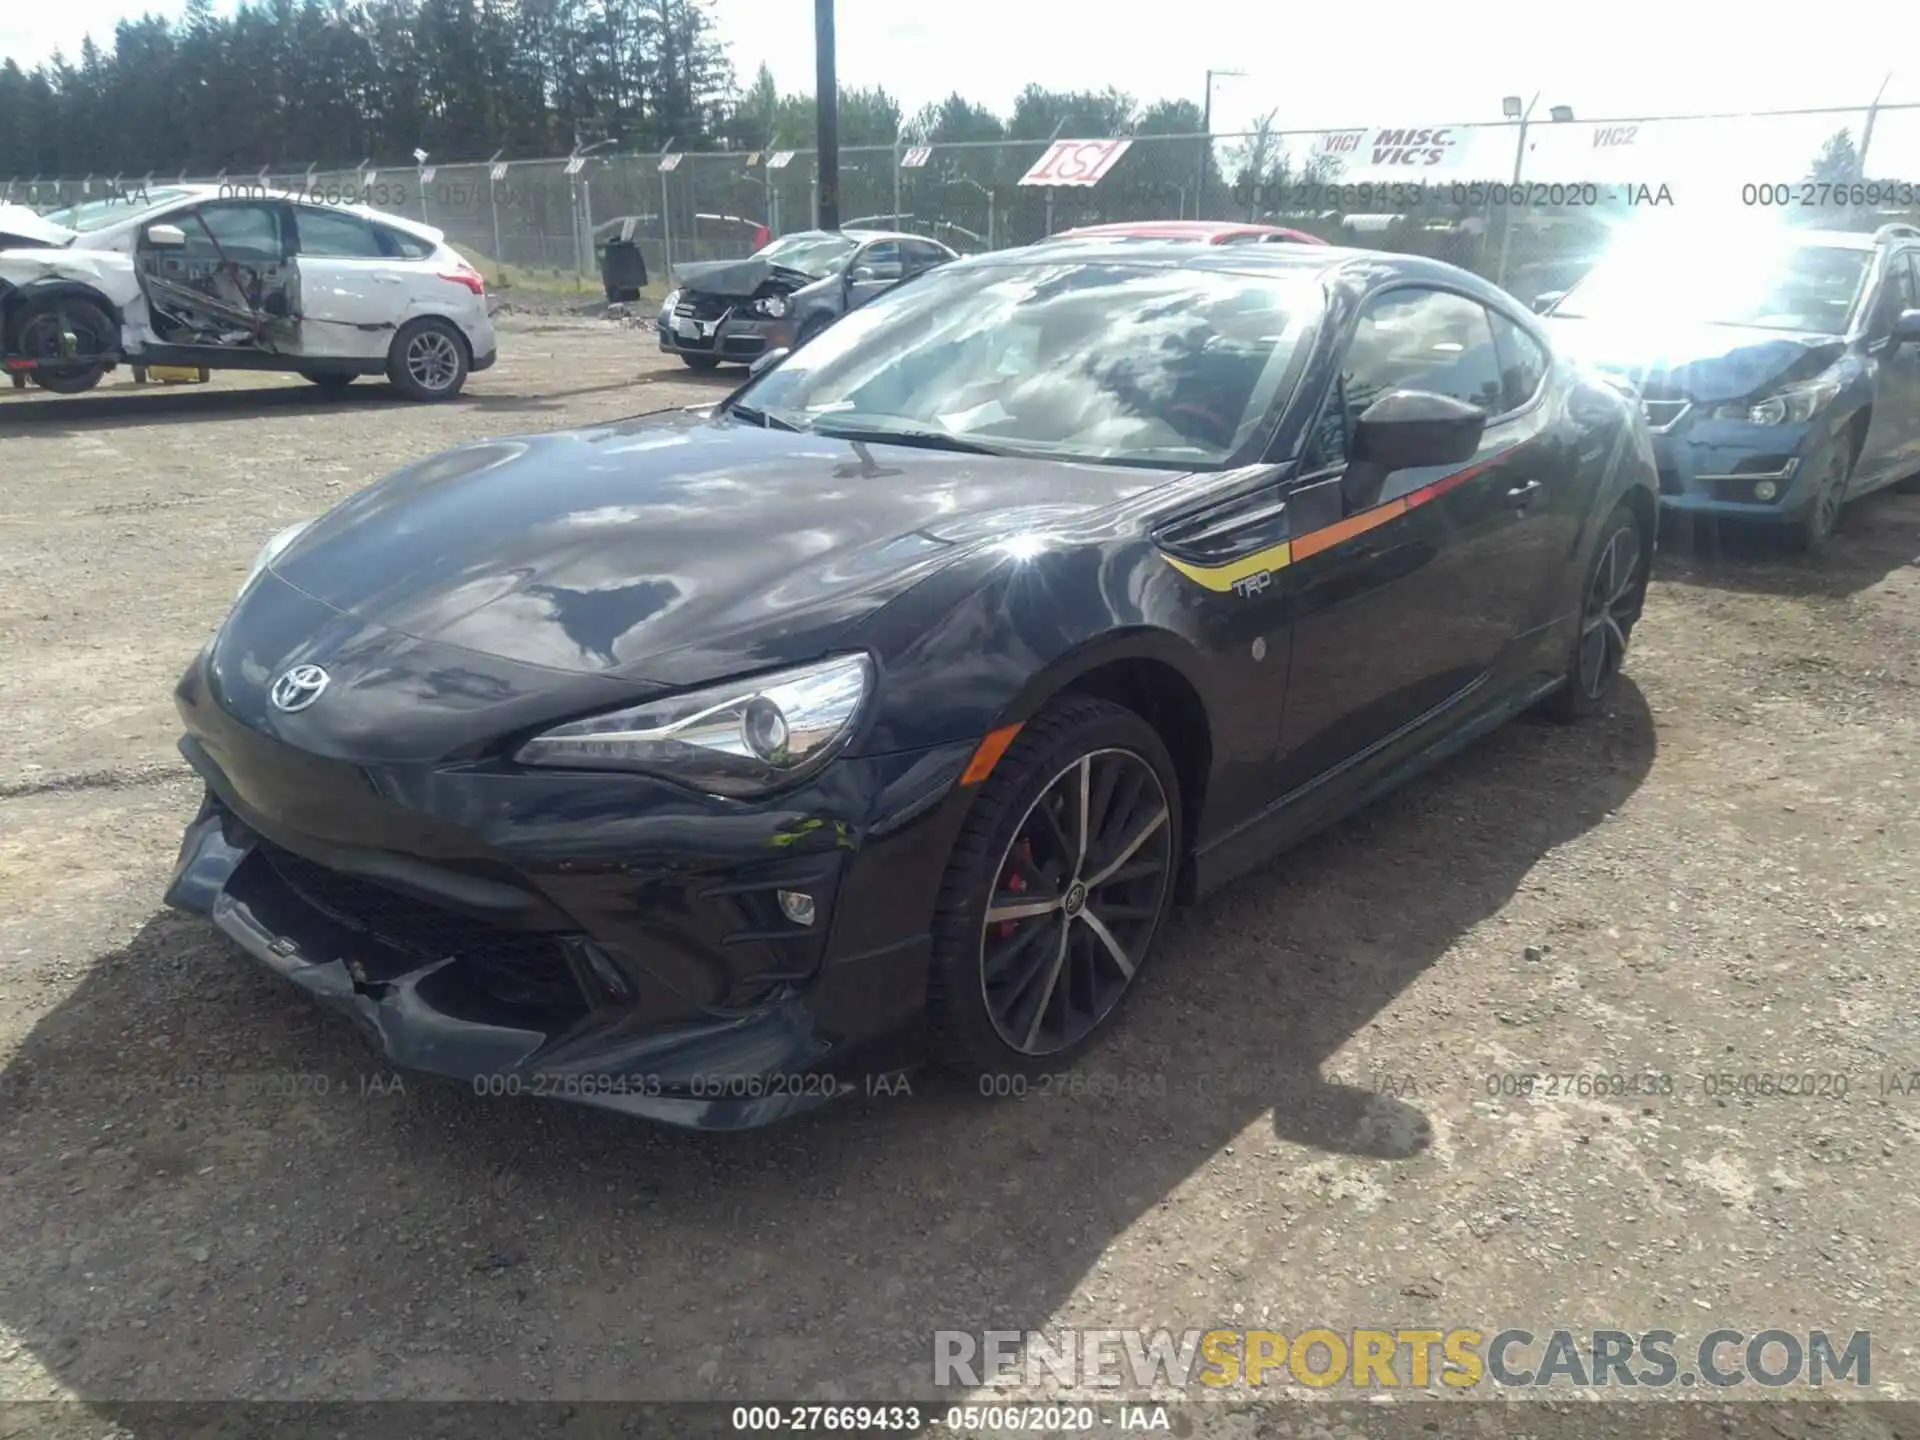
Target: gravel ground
point(1714, 879)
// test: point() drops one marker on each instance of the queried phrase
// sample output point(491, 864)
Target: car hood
point(19, 220)
point(737, 278)
point(673, 548)
point(1707, 364)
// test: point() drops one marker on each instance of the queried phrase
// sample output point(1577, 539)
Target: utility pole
point(826, 91)
point(1206, 143)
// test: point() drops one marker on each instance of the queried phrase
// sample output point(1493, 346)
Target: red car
point(1204, 232)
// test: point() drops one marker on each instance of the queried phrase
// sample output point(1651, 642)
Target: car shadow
point(193, 1219)
point(1878, 534)
point(78, 414)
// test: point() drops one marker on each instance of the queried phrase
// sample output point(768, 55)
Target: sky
point(1387, 62)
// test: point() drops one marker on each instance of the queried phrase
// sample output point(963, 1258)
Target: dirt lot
point(1716, 880)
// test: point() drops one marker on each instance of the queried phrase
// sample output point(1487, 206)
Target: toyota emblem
point(299, 687)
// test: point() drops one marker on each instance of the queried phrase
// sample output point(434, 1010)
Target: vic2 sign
point(1076, 162)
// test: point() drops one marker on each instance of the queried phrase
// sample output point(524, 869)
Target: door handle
point(1521, 494)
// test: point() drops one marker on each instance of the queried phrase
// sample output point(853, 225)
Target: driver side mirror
point(166, 237)
point(766, 360)
point(1906, 330)
point(1546, 300)
point(881, 270)
point(1406, 430)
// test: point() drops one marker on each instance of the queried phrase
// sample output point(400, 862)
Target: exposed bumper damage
point(723, 309)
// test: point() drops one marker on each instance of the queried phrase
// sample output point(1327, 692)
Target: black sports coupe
point(712, 763)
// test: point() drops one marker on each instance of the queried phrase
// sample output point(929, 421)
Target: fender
point(15, 300)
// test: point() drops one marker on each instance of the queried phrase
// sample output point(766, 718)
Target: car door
point(1404, 602)
point(231, 283)
point(1892, 448)
point(875, 267)
point(923, 255)
point(355, 293)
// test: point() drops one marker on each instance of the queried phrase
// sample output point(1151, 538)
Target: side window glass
point(1905, 287)
point(244, 232)
point(1412, 339)
point(879, 261)
point(1523, 364)
point(331, 235)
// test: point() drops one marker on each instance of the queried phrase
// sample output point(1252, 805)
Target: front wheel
point(428, 359)
point(1055, 891)
point(1611, 598)
point(56, 329)
point(1810, 534)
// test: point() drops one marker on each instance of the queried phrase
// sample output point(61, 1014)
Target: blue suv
point(1779, 372)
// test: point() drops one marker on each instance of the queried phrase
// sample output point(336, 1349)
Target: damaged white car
point(237, 278)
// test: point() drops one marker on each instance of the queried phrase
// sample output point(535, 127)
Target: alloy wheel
point(1608, 613)
point(432, 360)
point(1075, 901)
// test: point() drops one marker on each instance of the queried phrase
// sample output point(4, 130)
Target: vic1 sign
point(1076, 162)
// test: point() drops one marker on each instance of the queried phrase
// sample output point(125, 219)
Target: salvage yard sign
point(1076, 162)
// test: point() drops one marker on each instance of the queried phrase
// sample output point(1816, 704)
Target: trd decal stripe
point(1328, 536)
point(1224, 577)
point(988, 755)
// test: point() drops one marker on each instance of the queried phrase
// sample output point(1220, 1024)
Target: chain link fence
point(1524, 203)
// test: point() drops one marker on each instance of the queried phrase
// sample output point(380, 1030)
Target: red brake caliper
point(1016, 882)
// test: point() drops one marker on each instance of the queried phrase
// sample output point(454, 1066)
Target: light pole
point(1206, 142)
point(1511, 108)
point(826, 91)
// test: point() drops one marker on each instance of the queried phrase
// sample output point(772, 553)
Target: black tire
point(1611, 594)
point(331, 381)
point(702, 363)
point(988, 1013)
point(39, 332)
point(428, 359)
point(1810, 534)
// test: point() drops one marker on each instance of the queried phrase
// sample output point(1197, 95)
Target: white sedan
point(238, 278)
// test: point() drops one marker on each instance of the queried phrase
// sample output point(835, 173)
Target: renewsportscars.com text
point(1365, 1359)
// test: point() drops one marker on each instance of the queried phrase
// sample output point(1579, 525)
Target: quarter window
point(1523, 364)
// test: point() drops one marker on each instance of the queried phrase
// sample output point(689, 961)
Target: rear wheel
point(700, 362)
point(1055, 891)
point(53, 330)
point(428, 359)
point(1610, 605)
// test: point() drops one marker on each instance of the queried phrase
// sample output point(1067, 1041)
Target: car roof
point(1355, 271)
point(1174, 230)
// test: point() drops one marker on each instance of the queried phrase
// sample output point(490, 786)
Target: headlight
point(271, 551)
point(773, 305)
point(673, 299)
point(1793, 406)
point(742, 738)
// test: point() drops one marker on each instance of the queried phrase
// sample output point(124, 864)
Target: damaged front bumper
point(726, 334)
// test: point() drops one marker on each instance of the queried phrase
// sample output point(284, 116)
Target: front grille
point(515, 967)
point(1663, 415)
point(696, 306)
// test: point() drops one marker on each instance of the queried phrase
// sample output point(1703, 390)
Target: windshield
point(809, 254)
point(1086, 361)
point(1804, 288)
point(98, 214)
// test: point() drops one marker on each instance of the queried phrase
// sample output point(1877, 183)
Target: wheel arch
point(17, 300)
point(1159, 677)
